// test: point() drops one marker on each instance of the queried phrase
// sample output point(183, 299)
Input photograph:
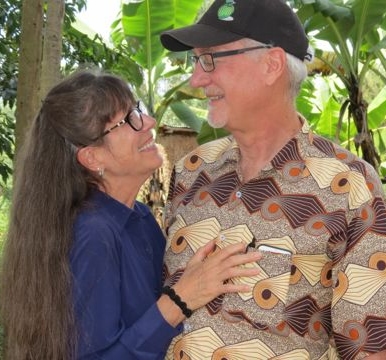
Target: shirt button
point(239, 194)
point(222, 237)
point(187, 327)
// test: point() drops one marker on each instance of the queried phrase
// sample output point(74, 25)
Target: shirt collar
point(117, 211)
point(231, 152)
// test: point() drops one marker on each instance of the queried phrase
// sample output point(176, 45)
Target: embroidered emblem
point(226, 11)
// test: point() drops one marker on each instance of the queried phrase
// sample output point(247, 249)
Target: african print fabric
point(318, 215)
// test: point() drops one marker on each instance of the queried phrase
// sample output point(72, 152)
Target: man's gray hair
point(297, 72)
point(297, 69)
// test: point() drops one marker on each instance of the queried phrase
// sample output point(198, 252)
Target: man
point(314, 210)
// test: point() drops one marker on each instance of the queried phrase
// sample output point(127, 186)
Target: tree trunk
point(52, 48)
point(30, 55)
point(363, 139)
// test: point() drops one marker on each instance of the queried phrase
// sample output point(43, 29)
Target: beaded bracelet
point(177, 300)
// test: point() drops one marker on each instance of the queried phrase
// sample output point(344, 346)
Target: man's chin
point(217, 124)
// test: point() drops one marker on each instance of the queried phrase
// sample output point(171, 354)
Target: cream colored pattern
point(357, 292)
point(324, 170)
point(256, 350)
point(197, 234)
point(198, 345)
point(311, 266)
point(207, 153)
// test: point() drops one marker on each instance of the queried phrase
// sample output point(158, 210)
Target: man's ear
point(276, 63)
point(87, 156)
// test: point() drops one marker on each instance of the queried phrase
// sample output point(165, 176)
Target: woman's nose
point(148, 122)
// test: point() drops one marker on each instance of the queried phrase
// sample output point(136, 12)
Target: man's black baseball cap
point(267, 21)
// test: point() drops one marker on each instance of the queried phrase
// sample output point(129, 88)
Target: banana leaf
point(143, 22)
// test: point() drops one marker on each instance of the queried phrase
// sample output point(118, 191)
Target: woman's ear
point(87, 156)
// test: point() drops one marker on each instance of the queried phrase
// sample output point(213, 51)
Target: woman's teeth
point(147, 146)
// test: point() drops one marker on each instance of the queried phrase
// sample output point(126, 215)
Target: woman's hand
point(207, 273)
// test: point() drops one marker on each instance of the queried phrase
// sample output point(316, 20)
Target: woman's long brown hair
point(50, 187)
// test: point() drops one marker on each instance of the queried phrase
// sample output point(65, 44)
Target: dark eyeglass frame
point(212, 56)
point(126, 120)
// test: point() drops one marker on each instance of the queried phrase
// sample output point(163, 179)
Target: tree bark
point(52, 48)
point(30, 57)
point(363, 139)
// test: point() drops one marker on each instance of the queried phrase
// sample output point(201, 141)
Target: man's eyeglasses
point(133, 118)
point(206, 60)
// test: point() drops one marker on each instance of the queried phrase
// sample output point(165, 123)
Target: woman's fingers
point(203, 252)
point(207, 273)
point(230, 250)
point(244, 258)
point(231, 257)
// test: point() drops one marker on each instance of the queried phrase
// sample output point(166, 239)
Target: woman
point(82, 270)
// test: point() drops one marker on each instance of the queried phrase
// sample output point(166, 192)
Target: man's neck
point(258, 148)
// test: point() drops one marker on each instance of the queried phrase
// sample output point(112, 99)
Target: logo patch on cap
point(226, 11)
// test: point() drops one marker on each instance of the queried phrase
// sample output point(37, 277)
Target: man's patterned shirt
point(319, 211)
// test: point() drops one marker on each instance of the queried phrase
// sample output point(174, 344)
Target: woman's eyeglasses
point(133, 118)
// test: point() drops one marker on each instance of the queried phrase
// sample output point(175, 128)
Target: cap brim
point(196, 36)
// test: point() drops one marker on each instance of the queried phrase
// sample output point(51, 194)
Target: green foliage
point(208, 133)
point(137, 33)
point(5, 195)
point(82, 51)
point(355, 32)
point(320, 101)
point(7, 129)
point(186, 113)
point(5, 200)
point(9, 51)
point(143, 21)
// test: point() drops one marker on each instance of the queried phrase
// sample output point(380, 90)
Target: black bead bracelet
point(167, 290)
